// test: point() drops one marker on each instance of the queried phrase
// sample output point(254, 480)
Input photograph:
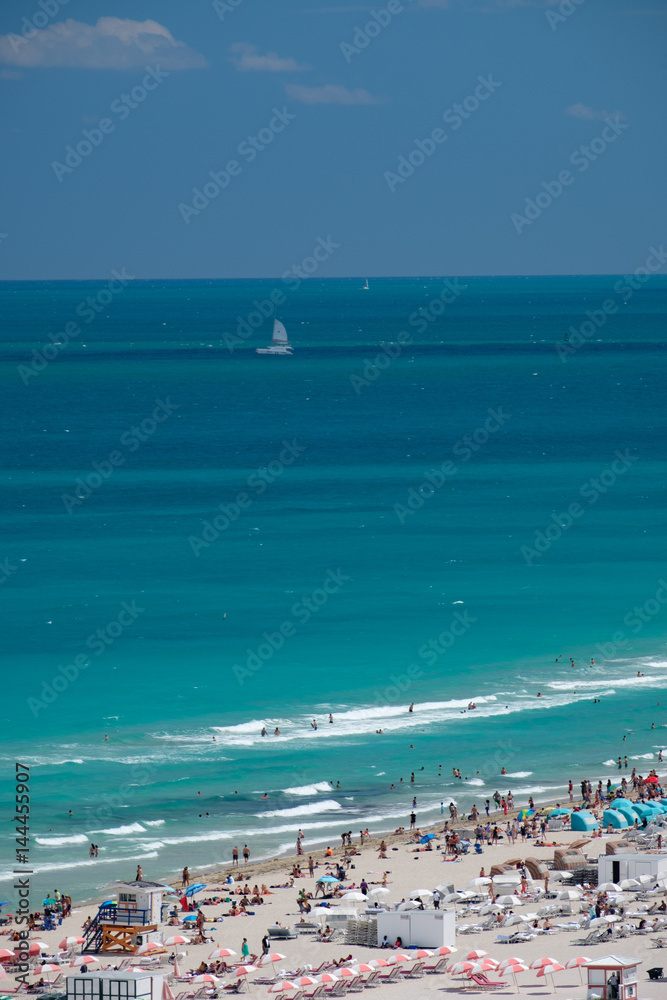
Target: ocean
point(451, 490)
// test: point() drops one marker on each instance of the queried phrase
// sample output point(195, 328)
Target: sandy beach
point(406, 871)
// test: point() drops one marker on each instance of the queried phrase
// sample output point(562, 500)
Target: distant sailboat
point(279, 342)
point(366, 286)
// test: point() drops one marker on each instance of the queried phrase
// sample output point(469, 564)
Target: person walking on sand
point(246, 854)
point(266, 944)
point(140, 874)
point(245, 950)
point(186, 877)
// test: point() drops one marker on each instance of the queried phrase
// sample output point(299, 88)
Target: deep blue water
point(513, 425)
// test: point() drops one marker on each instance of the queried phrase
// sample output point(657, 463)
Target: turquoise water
point(310, 464)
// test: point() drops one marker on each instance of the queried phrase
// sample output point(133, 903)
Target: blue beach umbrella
point(192, 889)
point(559, 812)
point(192, 916)
point(427, 836)
point(328, 878)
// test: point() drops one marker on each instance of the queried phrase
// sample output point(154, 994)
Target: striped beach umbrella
point(206, 977)
point(472, 956)
point(243, 970)
point(576, 963)
point(283, 986)
point(222, 953)
point(461, 968)
point(550, 970)
point(70, 942)
point(271, 957)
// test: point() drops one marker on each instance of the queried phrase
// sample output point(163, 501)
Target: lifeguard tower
point(120, 928)
point(621, 971)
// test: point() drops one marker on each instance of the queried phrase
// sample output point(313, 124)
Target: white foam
point(609, 763)
point(474, 781)
point(518, 774)
point(62, 866)
point(153, 822)
point(319, 786)
point(327, 805)
point(78, 838)
point(643, 756)
point(122, 831)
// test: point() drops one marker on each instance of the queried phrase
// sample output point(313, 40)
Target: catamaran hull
point(288, 351)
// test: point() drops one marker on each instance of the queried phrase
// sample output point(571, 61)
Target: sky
point(230, 138)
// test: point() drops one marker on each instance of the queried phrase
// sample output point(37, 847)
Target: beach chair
point(355, 984)
point(437, 969)
point(594, 937)
point(487, 984)
point(317, 992)
point(389, 977)
point(370, 981)
point(339, 989)
point(416, 972)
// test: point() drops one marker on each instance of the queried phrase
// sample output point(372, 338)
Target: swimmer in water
point(276, 732)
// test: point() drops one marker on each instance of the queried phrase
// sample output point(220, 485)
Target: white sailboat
point(279, 342)
point(366, 286)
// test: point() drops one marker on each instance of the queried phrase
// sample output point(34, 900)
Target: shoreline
point(263, 866)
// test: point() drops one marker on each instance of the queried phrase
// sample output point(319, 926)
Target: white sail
point(279, 333)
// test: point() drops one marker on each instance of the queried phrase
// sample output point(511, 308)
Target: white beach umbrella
point(478, 881)
point(609, 887)
point(509, 900)
point(410, 904)
point(570, 894)
point(420, 892)
point(558, 876)
point(354, 897)
point(379, 891)
point(629, 884)
point(606, 918)
point(491, 908)
point(454, 897)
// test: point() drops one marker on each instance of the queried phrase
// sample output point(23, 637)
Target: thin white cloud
point(247, 57)
point(331, 93)
point(580, 110)
point(113, 43)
